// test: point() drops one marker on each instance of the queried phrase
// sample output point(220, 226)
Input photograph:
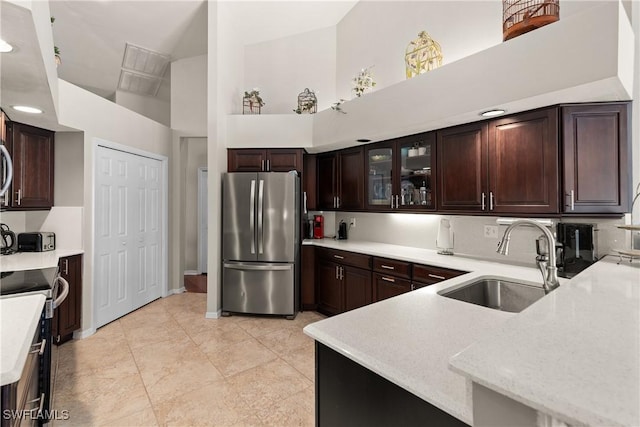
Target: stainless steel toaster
point(40, 241)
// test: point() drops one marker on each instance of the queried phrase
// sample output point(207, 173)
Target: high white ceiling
point(91, 35)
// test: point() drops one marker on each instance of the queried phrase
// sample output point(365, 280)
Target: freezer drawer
point(258, 288)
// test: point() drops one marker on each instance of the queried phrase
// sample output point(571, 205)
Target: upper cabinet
point(509, 165)
point(596, 158)
point(32, 152)
point(399, 173)
point(265, 160)
point(523, 163)
point(462, 168)
point(341, 180)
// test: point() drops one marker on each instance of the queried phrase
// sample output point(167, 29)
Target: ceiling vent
point(142, 70)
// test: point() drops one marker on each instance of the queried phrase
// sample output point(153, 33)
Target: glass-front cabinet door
point(416, 156)
point(380, 185)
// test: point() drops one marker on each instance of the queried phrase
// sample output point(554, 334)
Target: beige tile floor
point(165, 364)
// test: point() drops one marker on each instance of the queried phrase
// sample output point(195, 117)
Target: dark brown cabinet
point(67, 318)
point(462, 168)
point(595, 143)
point(399, 174)
point(523, 163)
point(31, 149)
point(424, 275)
point(387, 286)
point(343, 281)
point(508, 165)
point(341, 180)
point(309, 182)
point(265, 160)
point(307, 285)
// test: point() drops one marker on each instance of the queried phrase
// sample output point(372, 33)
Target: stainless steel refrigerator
point(260, 243)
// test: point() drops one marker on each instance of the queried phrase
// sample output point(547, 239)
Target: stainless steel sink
point(497, 294)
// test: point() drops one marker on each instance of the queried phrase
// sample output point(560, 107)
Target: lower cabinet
point(67, 318)
point(343, 281)
point(329, 287)
point(387, 286)
point(346, 280)
point(357, 287)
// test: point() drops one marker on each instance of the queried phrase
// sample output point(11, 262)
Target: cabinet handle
point(435, 276)
point(392, 201)
point(19, 194)
point(304, 193)
point(413, 287)
point(262, 165)
point(572, 200)
point(268, 165)
point(484, 197)
point(66, 267)
point(388, 279)
point(338, 257)
point(341, 273)
point(490, 200)
point(40, 347)
point(337, 201)
point(337, 278)
point(388, 267)
point(397, 201)
point(334, 202)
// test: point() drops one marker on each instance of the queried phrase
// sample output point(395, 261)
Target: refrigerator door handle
point(260, 216)
point(252, 209)
point(261, 267)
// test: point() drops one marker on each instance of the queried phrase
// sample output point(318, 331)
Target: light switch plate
point(491, 231)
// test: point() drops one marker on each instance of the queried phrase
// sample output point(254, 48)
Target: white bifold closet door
point(128, 236)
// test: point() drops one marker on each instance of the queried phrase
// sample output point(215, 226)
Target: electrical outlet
point(491, 231)
point(352, 222)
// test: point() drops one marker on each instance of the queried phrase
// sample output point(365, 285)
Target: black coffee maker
point(342, 230)
point(576, 248)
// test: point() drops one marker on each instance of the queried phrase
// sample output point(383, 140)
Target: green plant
point(56, 50)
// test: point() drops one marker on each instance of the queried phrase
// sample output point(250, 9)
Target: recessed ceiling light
point(363, 140)
point(5, 47)
point(27, 109)
point(492, 113)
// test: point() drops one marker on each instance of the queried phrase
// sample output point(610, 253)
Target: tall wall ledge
point(562, 62)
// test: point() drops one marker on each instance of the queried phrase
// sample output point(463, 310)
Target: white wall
point(100, 118)
point(376, 33)
point(196, 157)
point(420, 231)
point(68, 178)
point(284, 67)
point(635, 15)
point(154, 108)
point(189, 96)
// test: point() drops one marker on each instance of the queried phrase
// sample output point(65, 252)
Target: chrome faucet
point(545, 245)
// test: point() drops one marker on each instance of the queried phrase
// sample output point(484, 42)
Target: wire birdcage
point(307, 102)
point(423, 54)
point(522, 16)
point(252, 102)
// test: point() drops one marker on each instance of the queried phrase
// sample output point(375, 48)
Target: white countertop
point(409, 339)
point(35, 260)
point(575, 354)
point(19, 318)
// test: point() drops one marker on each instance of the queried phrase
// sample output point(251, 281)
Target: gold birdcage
point(307, 102)
point(522, 16)
point(423, 54)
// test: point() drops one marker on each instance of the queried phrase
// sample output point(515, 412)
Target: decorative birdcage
point(423, 54)
point(307, 102)
point(522, 16)
point(252, 102)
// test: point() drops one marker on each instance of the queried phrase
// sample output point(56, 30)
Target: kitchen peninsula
point(437, 348)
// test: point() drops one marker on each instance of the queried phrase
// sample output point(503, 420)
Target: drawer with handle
point(345, 258)
point(429, 275)
point(392, 267)
point(387, 286)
